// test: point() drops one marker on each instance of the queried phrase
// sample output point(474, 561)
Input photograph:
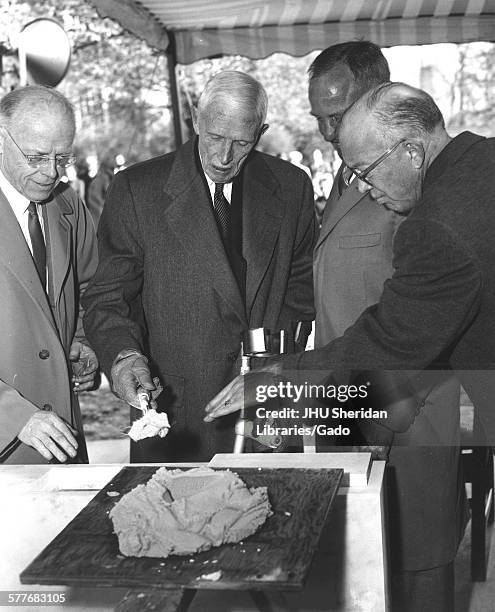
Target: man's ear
point(416, 153)
point(263, 129)
point(194, 117)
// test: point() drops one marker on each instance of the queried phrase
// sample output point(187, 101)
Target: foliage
point(104, 415)
point(117, 83)
point(291, 126)
point(473, 90)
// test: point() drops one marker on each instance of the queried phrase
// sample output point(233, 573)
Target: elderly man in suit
point(196, 247)
point(47, 256)
point(436, 311)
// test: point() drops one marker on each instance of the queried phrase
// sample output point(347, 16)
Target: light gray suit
point(36, 336)
point(352, 258)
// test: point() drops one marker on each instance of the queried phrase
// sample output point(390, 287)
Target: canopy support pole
point(174, 92)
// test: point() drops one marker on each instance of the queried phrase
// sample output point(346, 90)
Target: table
point(348, 574)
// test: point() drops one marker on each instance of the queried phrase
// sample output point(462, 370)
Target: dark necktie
point(222, 210)
point(341, 185)
point(37, 242)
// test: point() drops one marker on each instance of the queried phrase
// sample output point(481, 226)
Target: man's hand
point(130, 374)
point(230, 399)
point(240, 393)
point(84, 366)
point(44, 431)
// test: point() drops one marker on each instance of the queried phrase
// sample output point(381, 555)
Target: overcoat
point(164, 285)
point(353, 258)
point(437, 308)
point(37, 335)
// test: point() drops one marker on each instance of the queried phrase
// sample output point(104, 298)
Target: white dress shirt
point(19, 205)
point(227, 189)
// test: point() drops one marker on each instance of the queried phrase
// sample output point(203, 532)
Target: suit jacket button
point(47, 407)
point(44, 354)
point(232, 357)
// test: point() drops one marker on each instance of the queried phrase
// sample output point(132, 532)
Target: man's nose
point(226, 153)
point(362, 186)
point(51, 168)
point(328, 131)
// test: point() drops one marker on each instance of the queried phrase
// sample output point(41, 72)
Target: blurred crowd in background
point(91, 176)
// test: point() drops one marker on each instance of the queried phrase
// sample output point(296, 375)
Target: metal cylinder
point(257, 341)
point(262, 342)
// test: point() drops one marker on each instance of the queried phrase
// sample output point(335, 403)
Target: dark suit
point(37, 332)
point(165, 286)
point(438, 307)
point(353, 258)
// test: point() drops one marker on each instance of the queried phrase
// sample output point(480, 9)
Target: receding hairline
point(237, 90)
point(364, 59)
point(33, 99)
point(395, 110)
point(341, 76)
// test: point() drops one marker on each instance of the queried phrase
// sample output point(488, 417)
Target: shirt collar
point(17, 201)
point(227, 187)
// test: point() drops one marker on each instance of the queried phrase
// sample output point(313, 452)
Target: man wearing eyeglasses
point(47, 256)
point(437, 309)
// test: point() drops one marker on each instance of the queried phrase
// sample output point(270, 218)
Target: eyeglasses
point(39, 161)
point(348, 173)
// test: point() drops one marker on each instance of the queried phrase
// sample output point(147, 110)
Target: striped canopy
point(256, 28)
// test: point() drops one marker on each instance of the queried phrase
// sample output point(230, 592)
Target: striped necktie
point(222, 210)
point(37, 242)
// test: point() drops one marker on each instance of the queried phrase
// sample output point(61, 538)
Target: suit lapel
point(15, 254)
point(58, 235)
point(262, 216)
point(191, 218)
point(337, 207)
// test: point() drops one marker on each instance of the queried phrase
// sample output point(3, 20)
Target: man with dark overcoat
point(196, 247)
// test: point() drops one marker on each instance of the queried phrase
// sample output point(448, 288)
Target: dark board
point(277, 556)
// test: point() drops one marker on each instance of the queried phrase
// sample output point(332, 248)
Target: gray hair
point(30, 97)
point(403, 110)
point(238, 90)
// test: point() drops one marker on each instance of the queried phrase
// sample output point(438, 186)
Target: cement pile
point(183, 512)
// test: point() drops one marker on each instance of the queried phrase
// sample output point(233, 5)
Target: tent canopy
point(199, 29)
point(189, 30)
